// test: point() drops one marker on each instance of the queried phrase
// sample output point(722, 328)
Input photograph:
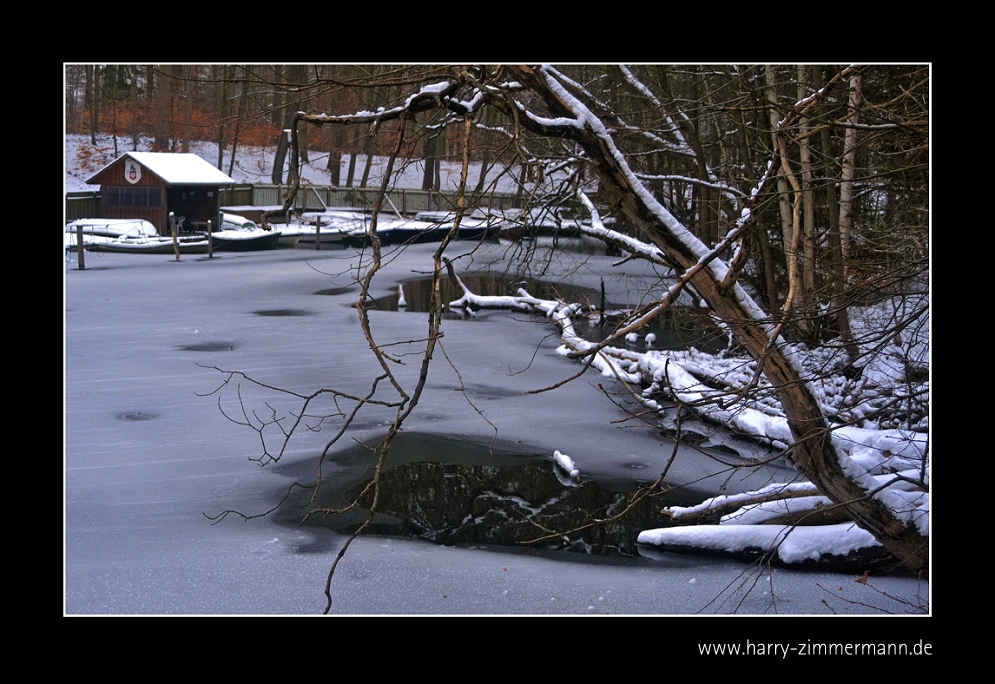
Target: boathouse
point(149, 185)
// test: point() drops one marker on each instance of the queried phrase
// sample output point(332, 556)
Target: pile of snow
point(566, 463)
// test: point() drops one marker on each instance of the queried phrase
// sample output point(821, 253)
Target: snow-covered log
point(843, 544)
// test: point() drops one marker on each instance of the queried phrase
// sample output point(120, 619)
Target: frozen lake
point(148, 454)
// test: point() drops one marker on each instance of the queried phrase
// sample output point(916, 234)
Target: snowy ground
point(146, 457)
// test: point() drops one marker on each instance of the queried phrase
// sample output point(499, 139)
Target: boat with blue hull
point(473, 226)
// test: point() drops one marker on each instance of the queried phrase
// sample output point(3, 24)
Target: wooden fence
point(82, 205)
point(315, 197)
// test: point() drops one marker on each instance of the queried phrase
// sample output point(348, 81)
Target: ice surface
point(148, 453)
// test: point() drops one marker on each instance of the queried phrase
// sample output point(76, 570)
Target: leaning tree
point(750, 203)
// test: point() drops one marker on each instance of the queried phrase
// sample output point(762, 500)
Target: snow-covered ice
point(148, 454)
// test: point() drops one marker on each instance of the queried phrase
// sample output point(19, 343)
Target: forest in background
point(241, 106)
point(854, 176)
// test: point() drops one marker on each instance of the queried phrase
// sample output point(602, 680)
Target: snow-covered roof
point(174, 168)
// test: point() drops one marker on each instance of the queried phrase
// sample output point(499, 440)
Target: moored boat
point(359, 236)
point(158, 244)
point(97, 231)
point(245, 240)
point(290, 235)
point(128, 236)
point(328, 229)
point(472, 226)
point(239, 234)
point(412, 231)
point(112, 228)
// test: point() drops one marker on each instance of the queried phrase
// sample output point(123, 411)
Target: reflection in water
point(209, 347)
point(283, 312)
point(679, 327)
point(470, 494)
point(418, 292)
point(464, 504)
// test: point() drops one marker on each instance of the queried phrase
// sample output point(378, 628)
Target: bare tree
point(559, 124)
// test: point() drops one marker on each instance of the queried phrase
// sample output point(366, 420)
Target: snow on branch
point(789, 544)
point(548, 124)
point(586, 119)
point(682, 148)
point(733, 193)
point(806, 103)
point(608, 361)
point(721, 504)
point(629, 244)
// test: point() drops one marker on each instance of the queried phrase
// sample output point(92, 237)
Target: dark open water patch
point(284, 312)
point(136, 416)
point(679, 327)
point(418, 292)
point(454, 491)
point(209, 347)
point(336, 291)
point(490, 392)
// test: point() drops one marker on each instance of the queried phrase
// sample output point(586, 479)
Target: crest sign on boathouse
point(149, 185)
point(132, 171)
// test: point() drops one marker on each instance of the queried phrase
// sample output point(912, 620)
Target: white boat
point(110, 228)
point(331, 227)
point(245, 240)
point(333, 215)
point(158, 244)
point(290, 234)
point(131, 236)
point(239, 234)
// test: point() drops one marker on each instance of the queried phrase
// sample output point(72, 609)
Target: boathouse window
point(126, 196)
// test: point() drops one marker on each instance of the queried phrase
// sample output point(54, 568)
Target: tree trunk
point(767, 259)
point(243, 105)
point(837, 292)
point(485, 157)
point(188, 94)
point(783, 191)
point(296, 74)
point(351, 173)
point(807, 262)
point(848, 169)
point(485, 164)
point(280, 158)
point(92, 93)
point(222, 73)
point(334, 167)
point(430, 176)
point(164, 110)
point(136, 118)
point(368, 151)
point(705, 199)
